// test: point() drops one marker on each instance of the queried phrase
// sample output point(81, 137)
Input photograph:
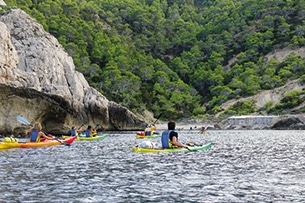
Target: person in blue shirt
point(74, 131)
point(37, 135)
point(169, 138)
point(90, 132)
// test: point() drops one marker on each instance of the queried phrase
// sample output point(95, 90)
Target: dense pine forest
point(183, 58)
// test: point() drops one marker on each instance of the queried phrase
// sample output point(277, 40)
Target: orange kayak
point(5, 145)
point(66, 141)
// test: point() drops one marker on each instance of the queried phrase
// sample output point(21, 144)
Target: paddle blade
point(84, 123)
point(22, 120)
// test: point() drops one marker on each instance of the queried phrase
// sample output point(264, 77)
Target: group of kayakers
point(169, 137)
point(37, 135)
point(202, 130)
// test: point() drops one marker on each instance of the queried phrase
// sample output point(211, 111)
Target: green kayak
point(84, 138)
point(191, 148)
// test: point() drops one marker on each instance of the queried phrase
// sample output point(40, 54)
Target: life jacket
point(148, 132)
point(34, 137)
point(166, 143)
point(73, 132)
point(88, 134)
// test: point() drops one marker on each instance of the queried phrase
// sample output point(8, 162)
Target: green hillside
point(183, 58)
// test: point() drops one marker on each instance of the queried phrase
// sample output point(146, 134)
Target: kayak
point(84, 138)
point(191, 148)
point(98, 137)
point(141, 135)
point(9, 145)
point(147, 136)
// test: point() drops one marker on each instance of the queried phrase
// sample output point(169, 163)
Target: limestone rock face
point(291, 123)
point(39, 81)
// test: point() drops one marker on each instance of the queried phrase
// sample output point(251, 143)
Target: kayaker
point(150, 130)
point(36, 135)
point(74, 131)
point(94, 132)
point(169, 138)
point(202, 130)
point(90, 131)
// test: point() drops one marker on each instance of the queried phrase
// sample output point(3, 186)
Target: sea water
point(241, 166)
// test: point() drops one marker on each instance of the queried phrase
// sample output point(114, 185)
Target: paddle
point(157, 118)
point(97, 125)
point(24, 121)
point(156, 121)
point(84, 123)
point(192, 144)
point(189, 149)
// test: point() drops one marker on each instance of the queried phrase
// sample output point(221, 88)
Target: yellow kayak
point(141, 135)
point(147, 136)
point(4, 145)
point(194, 148)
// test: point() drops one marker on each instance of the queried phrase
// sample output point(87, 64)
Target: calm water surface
point(241, 166)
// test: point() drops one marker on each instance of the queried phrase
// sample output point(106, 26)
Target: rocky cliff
point(38, 80)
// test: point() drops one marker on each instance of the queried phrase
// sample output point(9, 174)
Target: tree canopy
point(181, 58)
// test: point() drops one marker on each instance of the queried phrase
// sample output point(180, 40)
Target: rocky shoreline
point(291, 122)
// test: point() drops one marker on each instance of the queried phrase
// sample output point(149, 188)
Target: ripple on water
point(241, 166)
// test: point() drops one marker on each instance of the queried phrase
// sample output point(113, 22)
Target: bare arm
point(41, 134)
point(177, 143)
